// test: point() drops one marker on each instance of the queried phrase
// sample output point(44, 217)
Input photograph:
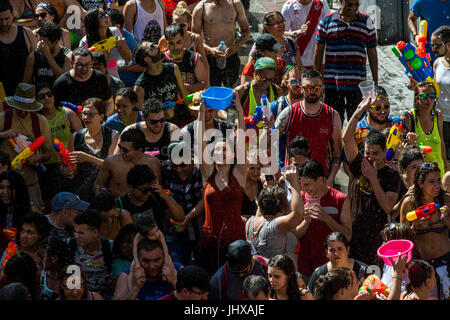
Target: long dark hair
point(420, 176)
point(45, 85)
point(19, 197)
point(125, 231)
point(285, 264)
point(91, 24)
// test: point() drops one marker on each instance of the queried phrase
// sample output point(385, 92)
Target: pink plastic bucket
point(392, 248)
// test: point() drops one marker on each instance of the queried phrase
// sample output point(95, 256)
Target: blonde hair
point(182, 10)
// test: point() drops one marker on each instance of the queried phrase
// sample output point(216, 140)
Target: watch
point(295, 34)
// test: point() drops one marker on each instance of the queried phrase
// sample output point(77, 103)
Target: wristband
point(398, 278)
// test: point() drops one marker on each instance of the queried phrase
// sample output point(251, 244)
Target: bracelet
point(397, 278)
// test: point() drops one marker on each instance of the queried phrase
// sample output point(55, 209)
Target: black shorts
point(227, 76)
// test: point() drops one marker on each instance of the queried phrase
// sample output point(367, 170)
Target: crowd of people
point(110, 188)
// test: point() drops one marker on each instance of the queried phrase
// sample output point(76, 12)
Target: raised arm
point(240, 169)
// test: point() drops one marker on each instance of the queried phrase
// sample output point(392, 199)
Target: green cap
point(265, 63)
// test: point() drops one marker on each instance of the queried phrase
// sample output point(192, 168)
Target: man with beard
point(373, 188)
point(16, 42)
point(148, 283)
point(317, 122)
point(160, 81)
point(83, 82)
point(440, 44)
point(191, 66)
point(114, 170)
point(156, 129)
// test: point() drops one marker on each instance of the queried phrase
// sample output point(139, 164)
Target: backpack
point(106, 249)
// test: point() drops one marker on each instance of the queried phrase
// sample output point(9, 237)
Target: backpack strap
point(8, 119)
point(35, 124)
point(107, 254)
point(224, 282)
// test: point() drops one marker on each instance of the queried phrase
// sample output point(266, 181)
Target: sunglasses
point(162, 120)
point(276, 23)
point(42, 15)
point(316, 89)
point(89, 114)
point(80, 65)
point(144, 190)
point(295, 81)
point(378, 108)
point(437, 46)
point(430, 165)
point(42, 95)
point(102, 15)
point(423, 96)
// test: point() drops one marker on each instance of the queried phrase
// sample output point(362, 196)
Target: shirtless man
point(114, 170)
point(207, 16)
point(138, 13)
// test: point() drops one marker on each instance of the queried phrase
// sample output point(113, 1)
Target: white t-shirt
point(295, 15)
point(443, 80)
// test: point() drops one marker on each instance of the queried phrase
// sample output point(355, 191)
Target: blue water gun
point(418, 67)
point(73, 107)
point(251, 122)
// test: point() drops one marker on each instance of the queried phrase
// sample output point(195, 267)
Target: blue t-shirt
point(153, 290)
point(129, 78)
point(115, 123)
point(436, 13)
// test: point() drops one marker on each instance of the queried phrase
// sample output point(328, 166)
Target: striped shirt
point(345, 55)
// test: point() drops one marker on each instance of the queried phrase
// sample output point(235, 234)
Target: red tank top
point(223, 224)
point(318, 129)
point(312, 254)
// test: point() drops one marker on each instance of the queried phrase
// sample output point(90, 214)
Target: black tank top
point(161, 145)
point(249, 207)
point(187, 65)
point(13, 57)
point(42, 71)
point(162, 87)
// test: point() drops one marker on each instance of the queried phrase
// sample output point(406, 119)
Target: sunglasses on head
point(40, 15)
point(378, 108)
point(315, 89)
point(42, 95)
point(423, 96)
point(162, 120)
point(430, 165)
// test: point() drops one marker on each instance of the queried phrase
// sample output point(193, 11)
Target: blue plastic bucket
point(217, 97)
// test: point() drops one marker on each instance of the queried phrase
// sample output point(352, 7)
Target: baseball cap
point(68, 200)
point(266, 41)
point(265, 63)
point(193, 276)
point(239, 254)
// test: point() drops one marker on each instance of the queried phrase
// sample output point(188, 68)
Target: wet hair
point(116, 17)
point(82, 52)
point(5, 159)
point(62, 277)
point(149, 245)
point(311, 74)
point(124, 232)
point(395, 230)
point(336, 236)
point(376, 138)
point(311, 169)
point(19, 197)
point(380, 91)
point(422, 85)
point(51, 31)
point(5, 5)
point(140, 53)
point(271, 15)
point(104, 201)
point(91, 23)
point(41, 223)
point(55, 247)
point(443, 32)
point(418, 273)
point(90, 218)
point(421, 174)
point(286, 265)
point(14, 291)
point(45, 85)
point(144, 223)
point(254, 284)
point(272, 200)
point(135, 136)
point(181, 10)
point(98, 104)
point(127, 93)
point(329, 284)
point(99, 57)
point(172, 31)
point(151, 105)
point(139, 175)
point(50, 8)
point(22, 268)
point(301, 144)
point(408, 155)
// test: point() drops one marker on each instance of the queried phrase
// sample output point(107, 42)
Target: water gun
point(178, 225)
point(19, 144)
point(393, 141)
point(170, 104)
point(418, 67)
point(425, 211)
point(251, 122)
point(152, 153)
point(104, 45)
point(373, 285)
point(115, 2)
point(27, 152)
point(10, 233)
point(64, 155)
point(71, 106)
point(425, 149)
point(422, 40)
point(10, 252)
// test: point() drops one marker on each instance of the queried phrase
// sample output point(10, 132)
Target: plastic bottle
point(221, 63)
point(266, 107)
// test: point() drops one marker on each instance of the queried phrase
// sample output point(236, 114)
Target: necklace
point(23, 127)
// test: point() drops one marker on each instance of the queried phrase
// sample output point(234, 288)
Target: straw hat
point(24, 98)
point(195, 104)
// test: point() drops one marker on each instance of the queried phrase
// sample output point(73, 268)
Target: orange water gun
point(64, 155)
point(10, 233)
point(10, 252)
point(373, 285)
point(422, 40)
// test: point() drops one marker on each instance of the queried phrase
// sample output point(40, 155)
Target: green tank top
point(433, 140)
point(59, 128)
point(253, 104)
